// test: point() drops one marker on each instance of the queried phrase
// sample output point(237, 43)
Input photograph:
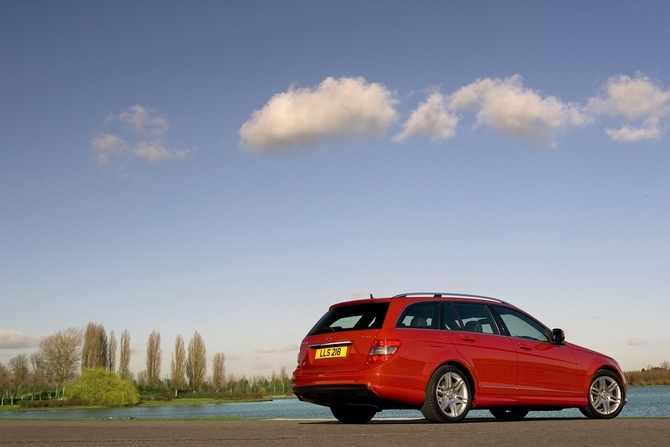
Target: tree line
point(79, 362)
point(651, 375)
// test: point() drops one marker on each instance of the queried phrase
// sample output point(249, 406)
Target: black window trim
point(492, 309)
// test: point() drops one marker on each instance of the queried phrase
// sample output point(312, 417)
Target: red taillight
point(382, 350)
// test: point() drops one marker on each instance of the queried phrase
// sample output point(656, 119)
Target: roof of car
point(447, 295)
point(421, 295)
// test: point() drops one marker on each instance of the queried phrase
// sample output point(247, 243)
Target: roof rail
point(456, 295)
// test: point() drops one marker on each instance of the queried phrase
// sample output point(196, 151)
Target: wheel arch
point(617, 373)
point(614, 370)
point(609, 368)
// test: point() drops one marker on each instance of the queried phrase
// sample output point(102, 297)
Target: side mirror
point(559, 336)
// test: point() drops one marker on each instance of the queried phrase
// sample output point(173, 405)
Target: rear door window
point(420, 316)
point(349, 318)
point(476, 318)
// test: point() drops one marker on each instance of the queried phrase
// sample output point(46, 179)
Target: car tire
point(448, 395)
point(606, 396)
point(352, 414)
point(509, 414)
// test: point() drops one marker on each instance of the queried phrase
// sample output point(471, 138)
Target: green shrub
point(97, 386)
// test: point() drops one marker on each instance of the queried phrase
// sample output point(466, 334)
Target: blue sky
point(235, 168)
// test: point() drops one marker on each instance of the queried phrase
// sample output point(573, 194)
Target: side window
point(521, 326)
point(476, 318)
point(450, 319)
point(419, 316)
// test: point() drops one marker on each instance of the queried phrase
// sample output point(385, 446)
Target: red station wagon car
point(445, 354)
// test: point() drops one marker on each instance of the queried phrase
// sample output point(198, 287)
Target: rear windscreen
point(351, 318)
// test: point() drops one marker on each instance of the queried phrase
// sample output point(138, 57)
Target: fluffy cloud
point(351, 109)
point(143, 123)
point(107, 146)
point(511, 109)
point(345, 109)
point(154, 151)
point(627, 134)
point(636, 342)
point(634, 100)
point(431, 118)
point(16, 340)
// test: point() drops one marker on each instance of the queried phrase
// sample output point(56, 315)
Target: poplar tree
point(124, 357)
point(154, 358)
point(218, 371)
point(111, 360)
point(95, 353)
point(196, 364)
point(178, 365)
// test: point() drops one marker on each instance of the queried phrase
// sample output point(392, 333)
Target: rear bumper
point(338, 395)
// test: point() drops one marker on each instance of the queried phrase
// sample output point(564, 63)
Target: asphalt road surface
point(386, 433)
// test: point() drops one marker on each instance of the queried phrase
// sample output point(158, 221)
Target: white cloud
point(430, 118)
point(351, 109)
point(16, 340)
point(635, 99)
point(265, 350)
point(107, 146)
point(143, 122)
point(345, 109)
point(155, 152)
point(627, 134)
point(636, 342)
point(509, 108)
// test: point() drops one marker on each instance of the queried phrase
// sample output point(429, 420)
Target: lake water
point(645, 402)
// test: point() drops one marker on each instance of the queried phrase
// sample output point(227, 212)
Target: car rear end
point(342, 357)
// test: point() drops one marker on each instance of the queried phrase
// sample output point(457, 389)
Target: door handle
point(467, 338)
point(525, 347)
point(435, 339)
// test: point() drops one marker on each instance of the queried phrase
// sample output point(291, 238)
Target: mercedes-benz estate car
point(445, 354)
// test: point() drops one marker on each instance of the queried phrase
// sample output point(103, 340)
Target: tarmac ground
point(328, 433)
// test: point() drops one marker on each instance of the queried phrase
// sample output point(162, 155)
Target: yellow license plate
point(331, 353)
